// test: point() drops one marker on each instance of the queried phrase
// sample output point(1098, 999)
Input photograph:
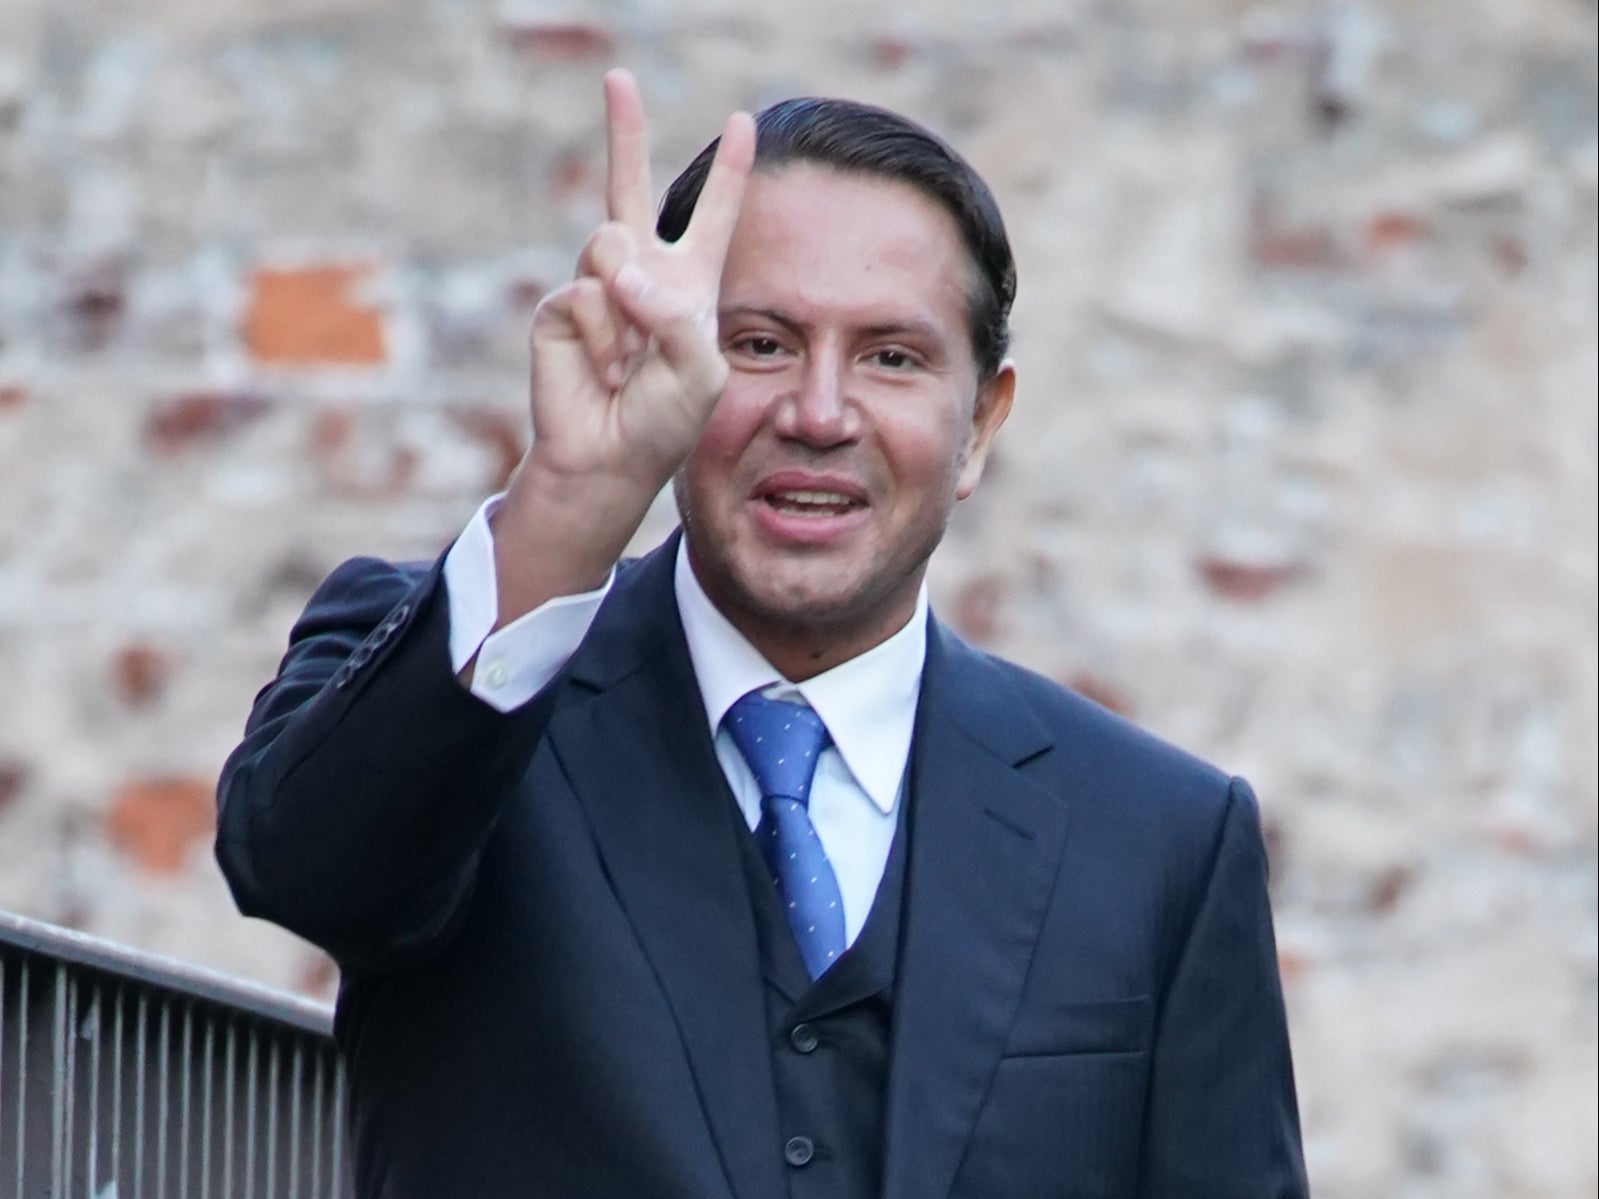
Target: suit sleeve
point(1222, 1120)
point(355, 809)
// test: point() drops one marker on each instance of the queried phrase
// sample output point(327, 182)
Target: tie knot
point(780, 741)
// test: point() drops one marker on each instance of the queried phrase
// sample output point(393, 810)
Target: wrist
point(544, 478)
point(558, 534)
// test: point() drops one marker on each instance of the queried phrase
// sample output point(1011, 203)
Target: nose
point(819, 412)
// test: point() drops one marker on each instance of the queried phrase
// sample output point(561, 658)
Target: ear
point(988, 414)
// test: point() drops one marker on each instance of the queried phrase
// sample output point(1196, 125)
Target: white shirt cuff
point(517, 662)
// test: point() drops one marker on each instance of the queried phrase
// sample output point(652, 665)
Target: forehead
point(839, 243)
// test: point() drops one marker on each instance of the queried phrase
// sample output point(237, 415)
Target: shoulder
point(1097, 757)
point(359, 587)
point(360, 580)
point(359, 596)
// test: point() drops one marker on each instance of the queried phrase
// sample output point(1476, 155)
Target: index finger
point(716, 211)
point(627, 179)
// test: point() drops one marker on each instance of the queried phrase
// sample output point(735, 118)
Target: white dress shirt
point(868, 703)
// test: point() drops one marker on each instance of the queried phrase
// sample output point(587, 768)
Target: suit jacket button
point(804, 1038)
point(394, 620)
point(798, 1151)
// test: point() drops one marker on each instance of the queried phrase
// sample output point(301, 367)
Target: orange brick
point(570, 40)
point(157, 820)
point(1293, 965)
point(978, 606)
point(14, 776)
point(500, 433)
point(141, 673)
point(891, 53)
point(318, 977)
point(1246, 582)
point(306, 317)
point(180, 422)
point(1091, 686)
point(1387, 230)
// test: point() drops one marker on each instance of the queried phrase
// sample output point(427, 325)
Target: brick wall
point(1301, 474)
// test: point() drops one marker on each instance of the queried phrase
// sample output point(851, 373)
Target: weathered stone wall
point(1302, 472)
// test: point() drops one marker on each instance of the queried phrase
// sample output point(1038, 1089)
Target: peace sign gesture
point(626, 364)
point(626, 367)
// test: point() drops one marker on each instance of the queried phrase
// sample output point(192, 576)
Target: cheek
point(724, 440)
point(928, 455)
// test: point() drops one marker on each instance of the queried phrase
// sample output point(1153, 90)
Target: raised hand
point(626, 364)
point(626, 368)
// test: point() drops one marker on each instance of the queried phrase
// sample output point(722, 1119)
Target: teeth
point(831, 499)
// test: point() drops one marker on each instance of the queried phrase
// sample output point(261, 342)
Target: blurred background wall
point(1301, 474)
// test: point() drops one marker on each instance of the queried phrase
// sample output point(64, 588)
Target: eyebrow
point(912, 327)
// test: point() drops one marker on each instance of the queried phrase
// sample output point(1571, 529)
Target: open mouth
point(794, 502)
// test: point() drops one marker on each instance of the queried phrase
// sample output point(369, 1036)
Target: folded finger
point(584, 305)
point(607, 248)
point(683, 333)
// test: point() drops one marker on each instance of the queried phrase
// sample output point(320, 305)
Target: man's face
point(852, 418)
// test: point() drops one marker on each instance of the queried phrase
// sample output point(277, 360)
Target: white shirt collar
point(868, 703)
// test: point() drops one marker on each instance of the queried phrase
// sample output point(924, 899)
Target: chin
point(816, 597)
point(804, 601)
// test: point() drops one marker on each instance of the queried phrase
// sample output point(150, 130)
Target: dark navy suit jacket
point(551, 977)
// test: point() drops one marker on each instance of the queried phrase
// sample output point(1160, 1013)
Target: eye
point(756, 345)
point(893, 358)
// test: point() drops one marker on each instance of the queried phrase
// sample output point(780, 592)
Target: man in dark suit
point(730, 872)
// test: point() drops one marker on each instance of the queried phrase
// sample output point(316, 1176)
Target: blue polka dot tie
point(781, 742)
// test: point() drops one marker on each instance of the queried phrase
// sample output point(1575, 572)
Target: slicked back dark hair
point(861, 139)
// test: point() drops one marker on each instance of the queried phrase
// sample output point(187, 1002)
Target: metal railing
point(127, 1076)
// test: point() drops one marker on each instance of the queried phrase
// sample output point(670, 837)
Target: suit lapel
point(985, 849)
point(640, 758)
